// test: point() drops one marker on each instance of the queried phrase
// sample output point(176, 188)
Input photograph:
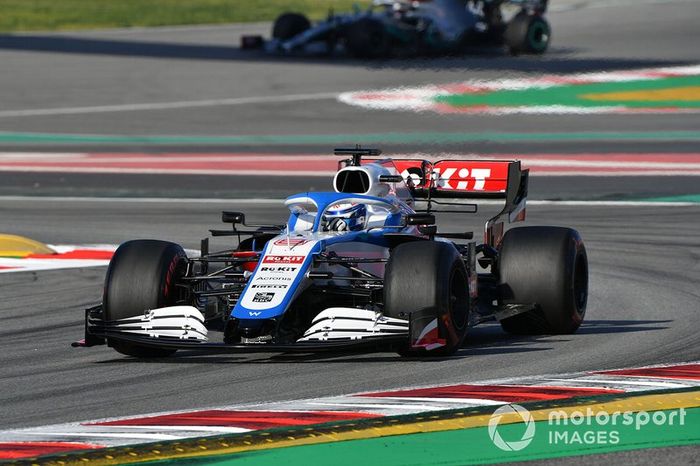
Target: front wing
point(98, 331)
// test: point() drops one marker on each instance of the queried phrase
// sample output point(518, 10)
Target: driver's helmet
point(345, 217)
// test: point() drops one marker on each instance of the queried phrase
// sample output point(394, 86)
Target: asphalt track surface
point(645, 261)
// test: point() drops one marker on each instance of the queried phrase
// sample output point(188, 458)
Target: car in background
point(406, 28)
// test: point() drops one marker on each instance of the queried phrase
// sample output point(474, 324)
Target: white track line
point(101, 158)
point(377, 406)
point(183, 428)
point(167, 105)
point(629, 171)
point(188, 171)
point(143, 200)
point(610, 203)
point(585, 5)
point(461, 401)
point(105, 435)
point(624, 382)
point(262, 201)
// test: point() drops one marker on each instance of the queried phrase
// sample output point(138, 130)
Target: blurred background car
point(414, 28)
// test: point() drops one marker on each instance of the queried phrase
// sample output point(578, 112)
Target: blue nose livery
point(280, 274)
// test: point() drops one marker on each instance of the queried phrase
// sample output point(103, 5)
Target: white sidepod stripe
point(183, 322)
point(354, 324)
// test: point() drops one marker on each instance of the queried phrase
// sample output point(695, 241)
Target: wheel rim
point(538, 35)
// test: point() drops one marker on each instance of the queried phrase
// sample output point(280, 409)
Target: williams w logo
point(510, 415)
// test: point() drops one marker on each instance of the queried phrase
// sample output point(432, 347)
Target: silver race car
point(414, 28)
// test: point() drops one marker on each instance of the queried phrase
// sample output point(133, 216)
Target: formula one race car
point(421, 27)
point(363, 267)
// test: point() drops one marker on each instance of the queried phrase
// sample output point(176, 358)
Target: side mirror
point(420, 219)
point(233, 217)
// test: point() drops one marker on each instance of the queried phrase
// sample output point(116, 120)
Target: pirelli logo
point(283, 260)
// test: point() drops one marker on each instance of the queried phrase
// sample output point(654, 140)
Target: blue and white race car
point(363, 267)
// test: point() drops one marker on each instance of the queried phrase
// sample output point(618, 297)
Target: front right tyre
point(527, 33)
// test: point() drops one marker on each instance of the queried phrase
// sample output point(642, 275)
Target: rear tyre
point(367, 38)
point(527, 34)
point(142, 275)
point(428, 279)
point(546, 266)
point(289, 25)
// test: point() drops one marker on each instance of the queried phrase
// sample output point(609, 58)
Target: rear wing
point(470, 179)
point(457, 179)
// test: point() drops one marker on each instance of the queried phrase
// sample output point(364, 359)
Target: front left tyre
point(142, 275)
point(289, 25)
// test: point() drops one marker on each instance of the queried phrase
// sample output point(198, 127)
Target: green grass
point(49, 15)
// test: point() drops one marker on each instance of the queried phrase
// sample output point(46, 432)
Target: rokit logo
point(462, 178)
point(454, 178)
point(263, 297)
point(283, 260)
point(279, 269)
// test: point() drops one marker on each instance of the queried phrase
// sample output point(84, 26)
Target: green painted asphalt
point(572, 95)
point(681, 198)
point(472, 446)
point(366, 138)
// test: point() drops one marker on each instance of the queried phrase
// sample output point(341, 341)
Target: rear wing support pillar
point(515, 208)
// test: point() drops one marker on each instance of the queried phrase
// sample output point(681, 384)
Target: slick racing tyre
point(427, 281)
point(548, 267)
point(367, 38)
point(527, 34)
point(142, 275)
point(289, 25)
